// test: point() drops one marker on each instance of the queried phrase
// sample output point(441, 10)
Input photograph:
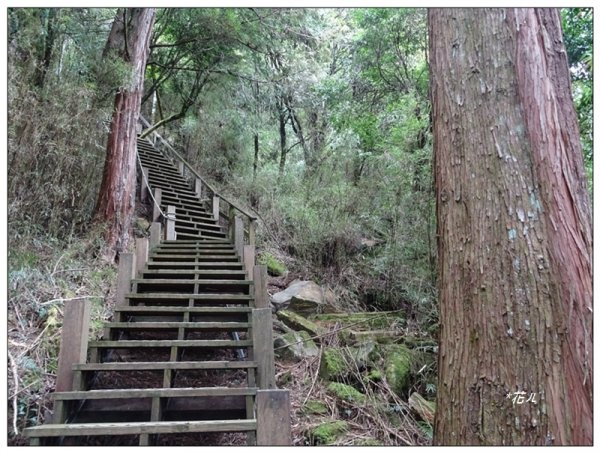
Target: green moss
point(298, 322)
point(315, 407)
point(375, 375)
point(328, 433)
point(274, 266)
point(346, 392)
point(333, 364)
point(397, 370)
point(371, 320)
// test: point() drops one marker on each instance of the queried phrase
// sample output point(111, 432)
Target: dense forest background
point(317, 119)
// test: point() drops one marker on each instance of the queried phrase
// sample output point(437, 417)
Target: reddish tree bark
point(514, 232)
point(129, 38)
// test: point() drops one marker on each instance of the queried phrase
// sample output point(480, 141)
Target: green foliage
point(274, 266)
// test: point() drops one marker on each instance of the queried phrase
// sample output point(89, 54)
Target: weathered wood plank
point(145, 366)
point(120, 344)
point(155, 234)
point(273, 423)
point(73, 341)
point(124, 277)
point(156, 203)
point(215, 206)
point(178, 325)
point(141, 254)
point(171, 234)
point(262, 338)
point(261, 297)
point(249, 260)
point(117, 429)
point(153, 392)
point(238, 235)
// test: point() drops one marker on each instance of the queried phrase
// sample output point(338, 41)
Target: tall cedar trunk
point(282, 142)
point(514, 233)
point(47, 47)
point(255, 163)
point(130, 39)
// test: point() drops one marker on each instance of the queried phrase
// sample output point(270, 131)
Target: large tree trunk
point(129, 38)
point(514, 232)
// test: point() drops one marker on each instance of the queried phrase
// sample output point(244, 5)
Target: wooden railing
point(224, 210)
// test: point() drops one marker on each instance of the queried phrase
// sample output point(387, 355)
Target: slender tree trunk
point(129, 38)
point(255, 164)
point(48, 46)
point(514, 232)
point(282, 142)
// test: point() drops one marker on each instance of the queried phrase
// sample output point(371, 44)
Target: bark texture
point(514, 232)
point(129, 38)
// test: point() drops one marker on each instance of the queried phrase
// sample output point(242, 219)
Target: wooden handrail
point(194, 172)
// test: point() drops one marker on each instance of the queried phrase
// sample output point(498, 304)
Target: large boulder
point(303, 297)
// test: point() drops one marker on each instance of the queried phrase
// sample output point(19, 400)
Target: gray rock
point(303, 297)
point(295, 346)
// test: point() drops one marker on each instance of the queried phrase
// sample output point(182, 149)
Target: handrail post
point(180, 166)
point(73, 341)
point(252, 232)
point(198, 187)
point(125, 274)
point(262, 342)
point(249, 253)
point(156, 208)
point(144, 190)
point(171, 234)
point(216, 199)
point(261, 299)
point(155, 234)
point(231, 223)
point(238, 235)
point(273, 422)
point(141, 254)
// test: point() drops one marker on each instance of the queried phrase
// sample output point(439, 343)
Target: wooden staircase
point(188, 358)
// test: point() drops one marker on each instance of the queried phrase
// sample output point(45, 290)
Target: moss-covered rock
point(333, 364)
point(379, 320)
point(298, 322)
point(295, 346)
point(274, 266)
point(346, 393)
point(397, 369)
point(328, 433)
point(315, 407)
point(375, 375)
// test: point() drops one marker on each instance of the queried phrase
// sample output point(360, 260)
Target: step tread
point(208, 310)
point(114, 429)
point(176, 325)
point(187, 296)
point(144, 366)
point(159, 281)
point(169, 343)
point(151, 393)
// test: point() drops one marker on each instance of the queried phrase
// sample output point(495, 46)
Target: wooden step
point(182, 265)
point(190, 274)
point(117, 429)
point(191, 252)
point(141, 309)
point(150, 366)
point(126, 344)
point(196, 241)
point(153, 393)
point(193, 258)
point(214, 326)
point(202, 235)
